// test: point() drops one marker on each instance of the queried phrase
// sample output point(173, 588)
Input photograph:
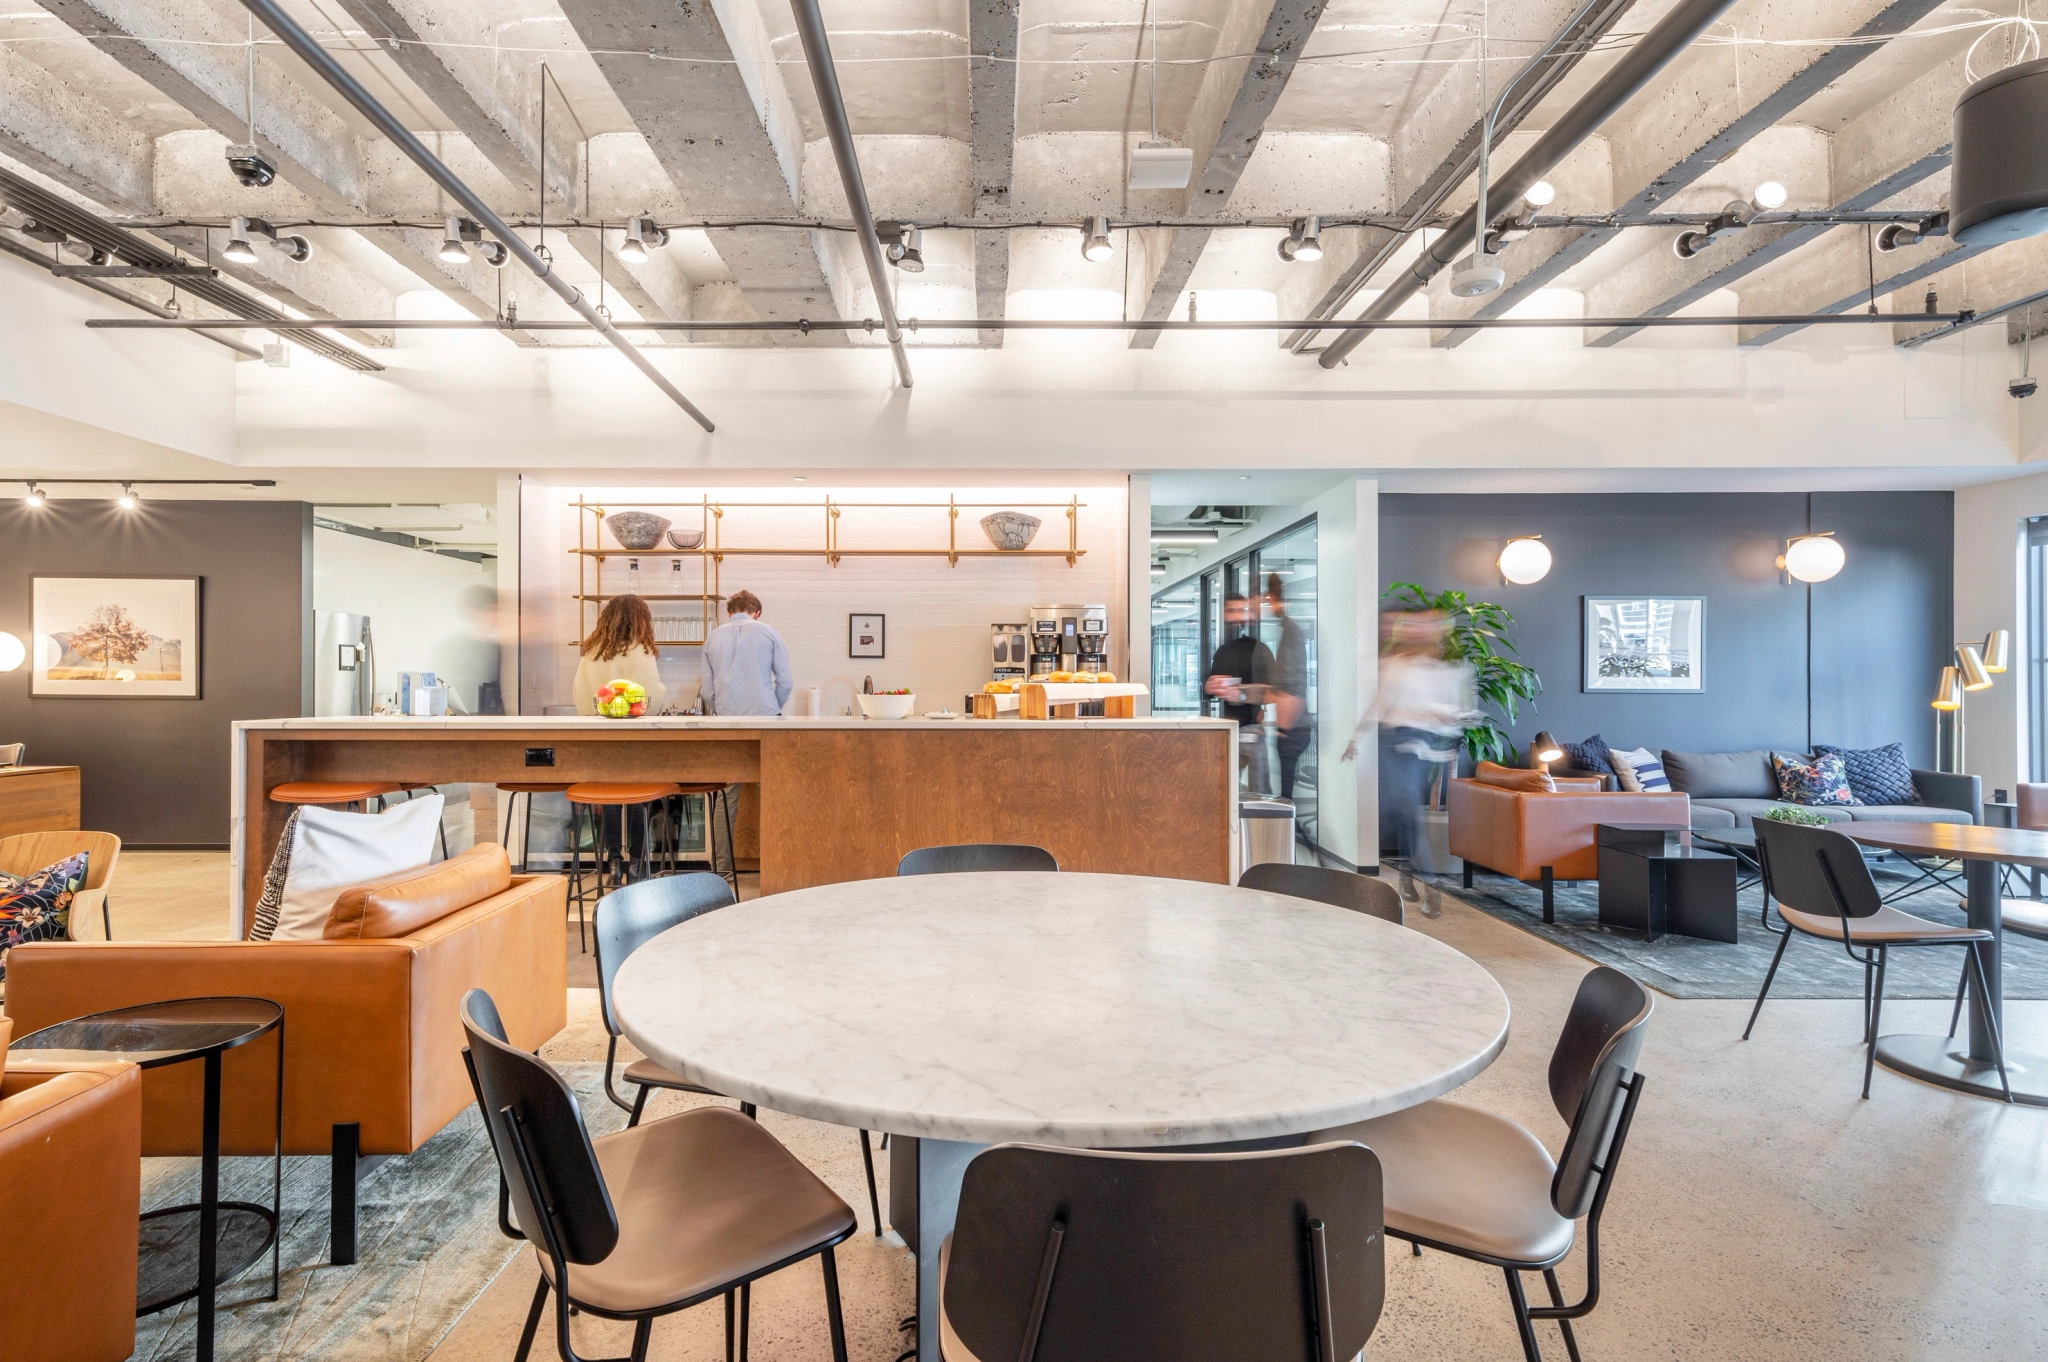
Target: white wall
point(1990, 594)
point(938, 615)
point(1347, 659)
point(411, 599)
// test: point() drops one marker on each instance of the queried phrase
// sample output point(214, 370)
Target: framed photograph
point(867, 635)
point(1644, 643)
point(115, 637)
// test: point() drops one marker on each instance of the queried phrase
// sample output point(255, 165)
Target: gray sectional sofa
point(1728, 789)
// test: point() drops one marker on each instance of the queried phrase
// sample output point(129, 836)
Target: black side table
point(1653, 881)
point(231, 1234)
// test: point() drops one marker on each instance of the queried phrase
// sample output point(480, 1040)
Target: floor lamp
point(1972, 670)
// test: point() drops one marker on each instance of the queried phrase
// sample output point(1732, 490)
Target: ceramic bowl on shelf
point(638, 531)
point(1010, 530)
point(686, 539)
point(887, 706)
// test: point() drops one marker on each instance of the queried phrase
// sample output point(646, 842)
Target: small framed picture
point(867, 635)
point(1644, 643)
point(115, 637)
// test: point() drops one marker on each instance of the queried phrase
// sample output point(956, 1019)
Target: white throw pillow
point(333, 849)
point(1625, 764)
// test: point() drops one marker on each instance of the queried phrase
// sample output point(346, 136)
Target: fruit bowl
point(686, 540)
point(887, 706)
point(637, 531)
point(621, 699)
point(1010, 530)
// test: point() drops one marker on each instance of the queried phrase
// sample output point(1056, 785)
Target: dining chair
point(27, 852)
point(13, 753)
point(2027, 916)
point(973, 856)
point(649, 1220)
point(1340, 888)
point(1480, 1186)
point(1823, 889)
point(1094, 1256)
point(627, 919)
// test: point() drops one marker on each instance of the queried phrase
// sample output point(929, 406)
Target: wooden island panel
point(38, 799)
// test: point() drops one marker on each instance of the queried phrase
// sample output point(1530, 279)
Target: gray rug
point(1685, 967)
point(427, 1246)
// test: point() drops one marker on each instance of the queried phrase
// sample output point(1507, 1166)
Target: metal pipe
point(810, 26)
point(1967, 320)
point(1637, 67)
point(329, 70)
point(1356, 324)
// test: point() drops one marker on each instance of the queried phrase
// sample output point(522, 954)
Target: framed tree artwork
point(115, 637)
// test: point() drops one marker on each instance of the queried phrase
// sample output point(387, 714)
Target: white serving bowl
point(887, 706)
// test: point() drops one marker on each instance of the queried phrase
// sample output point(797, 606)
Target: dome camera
point(2022, 387)
point(251, 166)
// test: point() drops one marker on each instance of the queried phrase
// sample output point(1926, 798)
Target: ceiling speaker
point(1999, 186)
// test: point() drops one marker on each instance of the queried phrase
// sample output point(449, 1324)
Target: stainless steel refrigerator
point(344, 664)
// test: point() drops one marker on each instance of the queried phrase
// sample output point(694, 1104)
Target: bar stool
point(594, 800)
point(353, 794)
point(529, 788)
point(717, 799)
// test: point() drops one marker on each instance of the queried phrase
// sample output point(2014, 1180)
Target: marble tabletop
point(1071, 1009)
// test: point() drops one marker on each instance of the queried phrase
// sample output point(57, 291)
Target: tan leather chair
point(27, 852)
point(373, 1050)
point(70, 1193)
point(1540, 836)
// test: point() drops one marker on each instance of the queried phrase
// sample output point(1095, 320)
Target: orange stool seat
point(535, 786)
point(332, 791)
point(619, 792)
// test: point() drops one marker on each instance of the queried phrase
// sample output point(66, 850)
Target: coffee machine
point(1009, 652)
point(1069, 638)
point(1091, 640)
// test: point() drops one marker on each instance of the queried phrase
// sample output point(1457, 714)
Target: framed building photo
point(1644, 643)
point(867, 635)
point(115, 637)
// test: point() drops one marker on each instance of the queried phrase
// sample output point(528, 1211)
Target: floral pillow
point(37, 907)
point(1825, 781)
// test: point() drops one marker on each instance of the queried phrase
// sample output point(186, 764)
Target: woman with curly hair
point(621, 647)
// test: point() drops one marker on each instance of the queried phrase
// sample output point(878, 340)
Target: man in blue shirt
point(746, 665)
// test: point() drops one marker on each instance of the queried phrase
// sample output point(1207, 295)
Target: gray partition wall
point(1851, 661)
point(155, 772)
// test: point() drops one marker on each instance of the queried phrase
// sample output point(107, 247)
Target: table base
point(168, 1272)
point(1946, 1061)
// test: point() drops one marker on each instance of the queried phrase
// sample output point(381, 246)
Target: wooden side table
point(1654, 881)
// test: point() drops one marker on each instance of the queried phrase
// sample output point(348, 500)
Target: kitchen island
point(840, 798)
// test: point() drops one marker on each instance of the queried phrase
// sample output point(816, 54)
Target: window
point(1177, 656)
point(2037, 648)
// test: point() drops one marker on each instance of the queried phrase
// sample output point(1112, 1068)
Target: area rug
point(427, 1246)
point(1685, 967)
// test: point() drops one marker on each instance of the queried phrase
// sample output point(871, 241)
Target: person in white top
point(620, 648)
point(746, 664)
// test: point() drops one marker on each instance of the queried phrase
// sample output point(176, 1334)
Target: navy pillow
point(1591, 755)
point(1877, 775)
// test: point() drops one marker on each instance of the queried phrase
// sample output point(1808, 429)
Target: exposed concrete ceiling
point(998, 110)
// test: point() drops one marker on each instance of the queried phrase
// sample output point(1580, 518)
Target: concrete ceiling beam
point(712, 105)
point(59, 131)
point(992, 31)
point(1999, 285)
point(1224, 127)
point(1704, 113)
point(1840, 273)
point(599, 250)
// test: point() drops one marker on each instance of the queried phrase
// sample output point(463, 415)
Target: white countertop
point(1070, 1009)
point(572, 722)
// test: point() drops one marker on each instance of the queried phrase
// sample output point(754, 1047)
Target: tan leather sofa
point(70, 1191)
point(373, 1047)
point(1540, 836)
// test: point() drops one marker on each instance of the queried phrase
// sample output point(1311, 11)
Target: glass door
point(1177, 656)
point(1283, 571)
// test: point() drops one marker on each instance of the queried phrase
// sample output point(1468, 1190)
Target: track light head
point(238, 248)
point(1896, 235)
point(1096, 244)
point(35, 499)
point(493, 253)
point(452, 251)
point(1767, 196)
point(1541, 194)
point(296, 248)
point(633, 250)
point(1686, 245)
point(127, 501)
point(910, 258)
point(1303, 241)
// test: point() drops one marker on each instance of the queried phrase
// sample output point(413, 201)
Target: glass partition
point(1177, 655)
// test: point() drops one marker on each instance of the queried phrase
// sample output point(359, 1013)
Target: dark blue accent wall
point(1857, 671)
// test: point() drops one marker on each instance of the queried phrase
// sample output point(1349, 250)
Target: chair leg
point(1523, 1324)
point(832, 1315)
point(746, 1316)
point(643, 1331)
point(107, 916)
point(867, 1157)
point(1564, 1326)
point(639, 1106)
point(1962, 985)
point(1549, 896)
point(731, 1333)
point(1876, 1007)
point(1770, 974)
point(747, 1110)
point(1466, 872)
point(540, 1300)
point(1976, 965)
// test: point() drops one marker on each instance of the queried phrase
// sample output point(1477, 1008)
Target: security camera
point(2022, 387)
point(251, 167)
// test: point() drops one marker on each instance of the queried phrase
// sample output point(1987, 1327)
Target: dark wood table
point(1967, 1066)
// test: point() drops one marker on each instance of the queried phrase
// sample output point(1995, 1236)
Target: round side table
point(180, 1260)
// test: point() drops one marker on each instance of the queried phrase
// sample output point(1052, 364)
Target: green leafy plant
point(1476, 634)
point(1805, 818)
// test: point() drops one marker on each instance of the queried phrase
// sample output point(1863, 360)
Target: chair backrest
point(627, 919)
point(1088, 1256)
point(1814, 870)
point(975, 856)
point(1341, 888)
point(26, 852)
point(2031, 814)
point(12, 753)
point(528, 1108)
point(1596, 1053)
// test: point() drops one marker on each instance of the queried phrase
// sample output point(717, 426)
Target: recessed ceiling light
point(1244, 477)
point(799, 479)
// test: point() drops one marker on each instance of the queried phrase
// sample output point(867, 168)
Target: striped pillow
point(1641, 770)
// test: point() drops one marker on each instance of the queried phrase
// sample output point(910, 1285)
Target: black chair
point(650, 1220)
point(975, 856)
point(1340, 888)
point(1823, 888)
point(1090, 1256)
point(1480, 1186)
point(627, 919)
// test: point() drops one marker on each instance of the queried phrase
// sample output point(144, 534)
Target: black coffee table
point(1739, 843)
point(229, 1235)
point(1654, 881)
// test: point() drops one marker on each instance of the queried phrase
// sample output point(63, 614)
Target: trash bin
point(1265, 831)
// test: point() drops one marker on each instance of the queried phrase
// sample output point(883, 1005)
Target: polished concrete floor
point(1762, 1211)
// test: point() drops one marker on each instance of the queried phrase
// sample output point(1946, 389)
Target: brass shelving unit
point(712, 551)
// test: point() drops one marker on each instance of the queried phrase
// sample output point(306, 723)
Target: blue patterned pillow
point(37, 907)
point(1591, 755)
point(1824, 782)
point(1877, 775)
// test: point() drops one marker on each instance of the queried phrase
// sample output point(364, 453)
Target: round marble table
point(1083, 1010)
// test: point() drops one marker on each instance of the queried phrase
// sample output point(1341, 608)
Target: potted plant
point(1476, 634)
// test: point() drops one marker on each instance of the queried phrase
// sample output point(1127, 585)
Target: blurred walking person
point(1239, 676)
point(1289, 691)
